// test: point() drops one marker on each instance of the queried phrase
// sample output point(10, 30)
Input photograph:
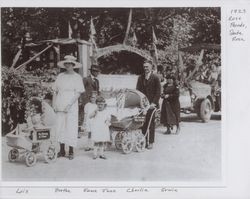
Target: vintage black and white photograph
point(111, 94)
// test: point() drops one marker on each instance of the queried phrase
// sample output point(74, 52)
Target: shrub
point(16, 94)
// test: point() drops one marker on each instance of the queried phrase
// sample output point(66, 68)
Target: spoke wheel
point(127, 143)
point(140, 143)
point(50, 154)
point(30, 159)
point(13, 155)
point(118, 140)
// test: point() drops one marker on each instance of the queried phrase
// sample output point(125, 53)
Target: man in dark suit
point(91, 83)
point(149, 84)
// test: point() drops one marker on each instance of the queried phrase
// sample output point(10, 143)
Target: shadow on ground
point(194, 118)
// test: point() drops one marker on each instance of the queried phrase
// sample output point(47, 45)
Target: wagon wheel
point(118, 140)
point(30, 159)
point(13, 155)
point(140, 142)
point(50, 155)
point(127, 143)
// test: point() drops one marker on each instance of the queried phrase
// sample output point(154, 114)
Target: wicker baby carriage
point(31, 142)
point(128, 129)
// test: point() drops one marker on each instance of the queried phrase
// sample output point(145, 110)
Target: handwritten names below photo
point(86, 191)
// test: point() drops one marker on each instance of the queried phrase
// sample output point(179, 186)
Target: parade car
point(198, 98)
point(195, 96)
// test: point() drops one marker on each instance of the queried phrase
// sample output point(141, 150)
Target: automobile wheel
point(198, 107)
point(205, 110)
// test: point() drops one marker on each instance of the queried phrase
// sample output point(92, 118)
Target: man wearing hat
point(91, 84)
point(149, 84)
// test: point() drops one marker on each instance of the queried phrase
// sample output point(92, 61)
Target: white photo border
point(235, 131)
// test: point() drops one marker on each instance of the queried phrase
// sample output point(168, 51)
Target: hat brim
point(76, 64)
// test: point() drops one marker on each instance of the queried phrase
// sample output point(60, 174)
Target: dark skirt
point(170, 112)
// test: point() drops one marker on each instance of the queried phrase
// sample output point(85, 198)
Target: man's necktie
point(95, 83)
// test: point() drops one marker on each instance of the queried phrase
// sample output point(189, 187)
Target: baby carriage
point(30, 141)
point(133, 105)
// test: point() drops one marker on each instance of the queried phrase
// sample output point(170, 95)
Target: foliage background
point(174, 28)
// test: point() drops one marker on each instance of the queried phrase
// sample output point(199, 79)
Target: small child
point(89, 109)
point(99, 126)
point(34, 118)
point(48, 113)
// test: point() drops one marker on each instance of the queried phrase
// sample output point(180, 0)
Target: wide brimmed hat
point(69, 59)
point(95, 68)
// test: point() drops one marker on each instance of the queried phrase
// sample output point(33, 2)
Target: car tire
point(205, 110)
point(197, 107)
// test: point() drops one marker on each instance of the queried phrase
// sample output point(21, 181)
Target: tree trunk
point(128, 26)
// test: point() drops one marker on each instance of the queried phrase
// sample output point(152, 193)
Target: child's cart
point(128, 129)
point(29, 143)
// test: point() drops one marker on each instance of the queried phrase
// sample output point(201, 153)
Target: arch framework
point(122, 47)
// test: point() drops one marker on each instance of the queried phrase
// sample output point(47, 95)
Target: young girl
point(99, 126)
point(89, 109)
point(34, 118)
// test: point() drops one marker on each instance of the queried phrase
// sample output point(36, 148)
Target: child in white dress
point(99, 126)
point(89, 109)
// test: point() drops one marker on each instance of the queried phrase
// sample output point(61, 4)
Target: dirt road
point(192, 155)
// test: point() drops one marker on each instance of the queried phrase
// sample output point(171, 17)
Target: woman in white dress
point(67, 89)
